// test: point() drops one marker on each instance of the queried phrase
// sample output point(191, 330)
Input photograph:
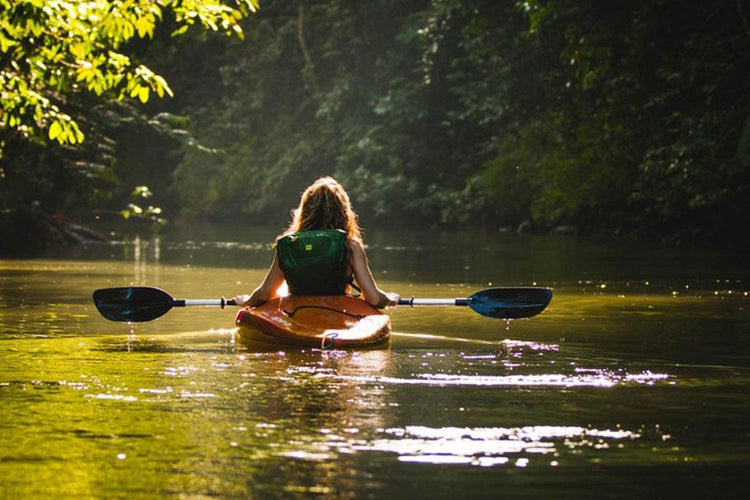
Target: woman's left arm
point(363, 275)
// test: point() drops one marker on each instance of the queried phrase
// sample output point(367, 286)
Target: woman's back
point(315, 262)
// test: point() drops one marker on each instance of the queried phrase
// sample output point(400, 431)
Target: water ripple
point(581, 378)
point(490, 446)
point(478, 446)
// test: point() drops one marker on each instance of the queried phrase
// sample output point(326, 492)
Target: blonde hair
point(325, 205)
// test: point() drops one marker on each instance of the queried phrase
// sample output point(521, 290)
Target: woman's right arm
point(268, 288)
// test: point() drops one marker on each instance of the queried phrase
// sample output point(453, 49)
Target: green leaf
point(55, 130)
point(143, 94)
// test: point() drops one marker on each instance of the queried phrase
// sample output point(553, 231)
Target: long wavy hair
point(325, 205)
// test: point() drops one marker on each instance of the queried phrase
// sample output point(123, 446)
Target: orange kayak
point(324, 321)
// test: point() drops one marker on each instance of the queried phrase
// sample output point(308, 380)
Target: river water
point(634, 383)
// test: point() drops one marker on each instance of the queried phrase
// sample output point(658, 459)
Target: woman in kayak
point(321, 252)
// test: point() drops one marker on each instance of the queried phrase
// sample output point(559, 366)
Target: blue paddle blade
point(132, 303)
point(510, 302)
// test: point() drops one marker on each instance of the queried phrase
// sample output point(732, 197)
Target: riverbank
point(25, 231)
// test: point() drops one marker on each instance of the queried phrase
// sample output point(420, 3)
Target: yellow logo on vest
point(308, 247)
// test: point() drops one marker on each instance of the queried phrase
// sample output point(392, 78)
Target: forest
point(625, 118)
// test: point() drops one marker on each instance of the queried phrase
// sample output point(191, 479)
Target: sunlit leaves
point(64, 130)
point(134, 210)
point(53, 48)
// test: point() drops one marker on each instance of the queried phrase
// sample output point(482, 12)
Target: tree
point(639, 121)
point(52, 48)
point(324, 93)
point(625, 116)
point(65, 73)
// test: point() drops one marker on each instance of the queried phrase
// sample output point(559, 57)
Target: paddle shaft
point(203, 302)
point(403, 302)
point(433, 302)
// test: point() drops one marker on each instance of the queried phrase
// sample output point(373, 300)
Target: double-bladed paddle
point(139, 303)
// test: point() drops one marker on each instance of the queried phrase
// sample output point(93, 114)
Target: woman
point(324, 219)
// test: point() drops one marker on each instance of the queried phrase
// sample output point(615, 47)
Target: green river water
point(634, 383)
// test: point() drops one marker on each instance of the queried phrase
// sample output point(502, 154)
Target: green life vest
point(314, 262)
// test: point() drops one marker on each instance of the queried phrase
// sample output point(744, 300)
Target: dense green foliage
point(66, 72)
point(626, 116)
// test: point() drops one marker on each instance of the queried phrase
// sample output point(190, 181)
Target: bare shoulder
point(356, 246)
point(357, 251)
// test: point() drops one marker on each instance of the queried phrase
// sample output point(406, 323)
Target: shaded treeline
point(628, 117)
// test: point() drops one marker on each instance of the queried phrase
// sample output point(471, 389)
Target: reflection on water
point(583, 378)
point(634, 381)
point(509, 358)
point(490, 446)
point(486, 446)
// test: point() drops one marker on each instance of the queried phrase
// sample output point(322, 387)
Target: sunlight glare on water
point(492, 446)
point(583, 378)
